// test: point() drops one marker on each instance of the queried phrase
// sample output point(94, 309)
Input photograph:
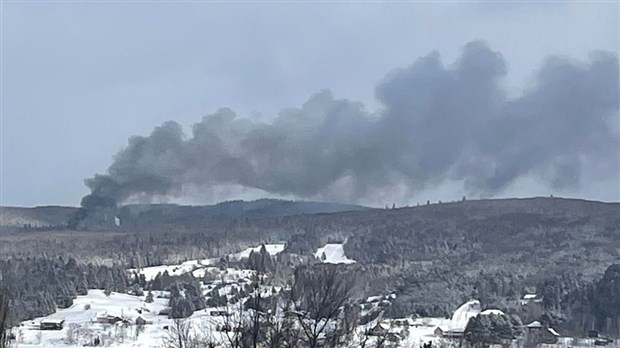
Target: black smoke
point(437, 122)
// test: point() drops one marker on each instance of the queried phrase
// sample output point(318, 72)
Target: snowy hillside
point(199, 267)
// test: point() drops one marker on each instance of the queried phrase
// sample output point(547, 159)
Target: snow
point(174, 270)
point(461, 316)
point(199, 267)
point(334, 253)
point(79, 319)
point(492, 312)
point(374, 298)
point(529, 296)
point(534, 324)
point(553, 332)
point(272, 249)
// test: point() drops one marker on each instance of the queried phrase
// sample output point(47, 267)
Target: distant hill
point(48, 217)
point(44, 217)
point(150, 214)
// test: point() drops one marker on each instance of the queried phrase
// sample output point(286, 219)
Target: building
point(530, 298)
point(52, 324)
point(142, 321)
point(536, 333)
point(108, 319)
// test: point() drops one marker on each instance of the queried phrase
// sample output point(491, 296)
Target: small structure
point(446, 332)
point(454, 333)
point(406, 322)
point(537, 333)
point(52, 324)
point(378, 330)
point(530, 298)
point(141, 321)
point(108, 319)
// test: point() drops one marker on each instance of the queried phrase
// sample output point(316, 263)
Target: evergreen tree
point(149, 297)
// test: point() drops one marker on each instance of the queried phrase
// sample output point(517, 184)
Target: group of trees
point(36, 287)
point(484, 330)
point(606, 302)
point(4, 320)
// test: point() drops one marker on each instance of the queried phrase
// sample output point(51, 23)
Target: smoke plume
point(437, 122)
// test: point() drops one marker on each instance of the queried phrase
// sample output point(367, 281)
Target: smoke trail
point(438, 122)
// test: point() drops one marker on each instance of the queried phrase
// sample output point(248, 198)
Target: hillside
point(153, 214)
point(141, 215)
point(433, 257)
point(36, 217)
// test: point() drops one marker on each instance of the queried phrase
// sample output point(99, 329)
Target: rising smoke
point(437, 123)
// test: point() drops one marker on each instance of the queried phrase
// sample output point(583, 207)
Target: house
point(378, 330)
point(52, 324)
point(401, 322)
point(141, 321)
point(438, 332)
point(530, 298)
point(108, 319)
point(454, 333)
point(537, 333)
point(446, 332)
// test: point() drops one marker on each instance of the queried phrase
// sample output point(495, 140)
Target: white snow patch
point(334, 253)
point(272, 249)
point(174, 270)
point(492, 312)
point(461, 316)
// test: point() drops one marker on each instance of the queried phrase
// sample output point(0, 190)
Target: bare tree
point(179, 335)
point(319, 296)
point(234, 325)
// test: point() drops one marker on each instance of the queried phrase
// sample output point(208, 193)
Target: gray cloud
point(437, 122)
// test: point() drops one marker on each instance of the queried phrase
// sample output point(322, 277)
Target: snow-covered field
point(81, 327)
point(334, 253)
point(199, 267)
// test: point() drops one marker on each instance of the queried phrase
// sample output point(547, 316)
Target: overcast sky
point(78, 79)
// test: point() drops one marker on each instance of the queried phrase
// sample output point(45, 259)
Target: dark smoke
point(437, 122)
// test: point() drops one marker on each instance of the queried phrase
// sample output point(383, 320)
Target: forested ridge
point(434, 257)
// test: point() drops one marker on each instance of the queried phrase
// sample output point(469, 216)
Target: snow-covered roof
point(553, 332)
point(52, 321)
point(529, 296)
point(461, 316)
point(492, 312)
point(374, 298)
point(534, 324)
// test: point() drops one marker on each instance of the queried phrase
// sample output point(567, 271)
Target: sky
point(80, 78)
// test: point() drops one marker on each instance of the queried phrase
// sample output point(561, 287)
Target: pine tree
point(149, 297)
